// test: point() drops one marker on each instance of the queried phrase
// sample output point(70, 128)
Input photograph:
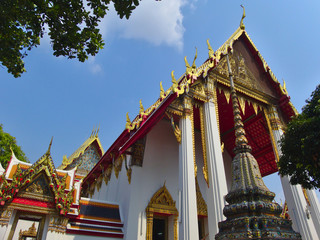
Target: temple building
point(167, 174)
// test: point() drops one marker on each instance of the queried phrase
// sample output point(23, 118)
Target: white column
point(314, 209)
point(188, 227)
point(297, 206)
point(295, 199)
point(216, 172)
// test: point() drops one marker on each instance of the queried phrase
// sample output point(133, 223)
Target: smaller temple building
point(39, 201)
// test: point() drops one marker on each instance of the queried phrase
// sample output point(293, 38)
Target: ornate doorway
point(162, 216)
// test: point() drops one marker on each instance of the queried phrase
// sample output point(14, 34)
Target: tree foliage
point(7, 142)
point(72, 27)
point(300, 145)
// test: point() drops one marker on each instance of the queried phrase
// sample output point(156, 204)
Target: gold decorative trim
point(118, 165)
point(204, 147)
point(33, 209)
point(198, 92)
point(242, 103)
point(129, 173)
point(58, 224)
point(274, 119)
point(149, 225)
point(176, 130)
point(201, 204)
point(161, 203)
point(193, 142)
point(138, 152)
point(31, 232)
point(215, 102)
point(106, 173)
point(176, 107)
point(306, 196)
point(245, 90)
point(5, 217)
point(271, 135)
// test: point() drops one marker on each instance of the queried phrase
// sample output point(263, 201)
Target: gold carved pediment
point(38, 189)
point(241, 72)
point(198, 91)
point(162, 202)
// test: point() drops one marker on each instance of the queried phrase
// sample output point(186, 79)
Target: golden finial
point(141, 107)
point(174, 81)
point(242, 26)
point(186, 62)
point(285, 87)
point(49, 148)
point(211, 52)
point(128, 122)
point(97, 130)
point(11, 150)
point(161, 91)
point(194, 60)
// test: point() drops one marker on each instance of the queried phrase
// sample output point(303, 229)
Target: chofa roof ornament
point(242, 26)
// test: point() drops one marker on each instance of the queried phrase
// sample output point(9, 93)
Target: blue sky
point(67, 99)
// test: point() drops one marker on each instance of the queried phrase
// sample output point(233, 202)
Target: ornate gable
point(246, 70)
point(85, 157)
point(37, 184)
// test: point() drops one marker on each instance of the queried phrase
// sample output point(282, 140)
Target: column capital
point(187, 103)
point(274, 119)
point(210, 88)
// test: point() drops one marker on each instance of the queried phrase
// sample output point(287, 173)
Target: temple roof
point(76, 160)
point(146, 119)
point(38, 184)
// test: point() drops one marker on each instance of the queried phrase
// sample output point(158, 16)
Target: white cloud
point(93, 66)
point(157, 22)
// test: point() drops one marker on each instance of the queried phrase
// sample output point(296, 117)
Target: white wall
point(160, 164)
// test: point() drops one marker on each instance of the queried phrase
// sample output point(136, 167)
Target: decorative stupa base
point(262, 227)
point(251, 212)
